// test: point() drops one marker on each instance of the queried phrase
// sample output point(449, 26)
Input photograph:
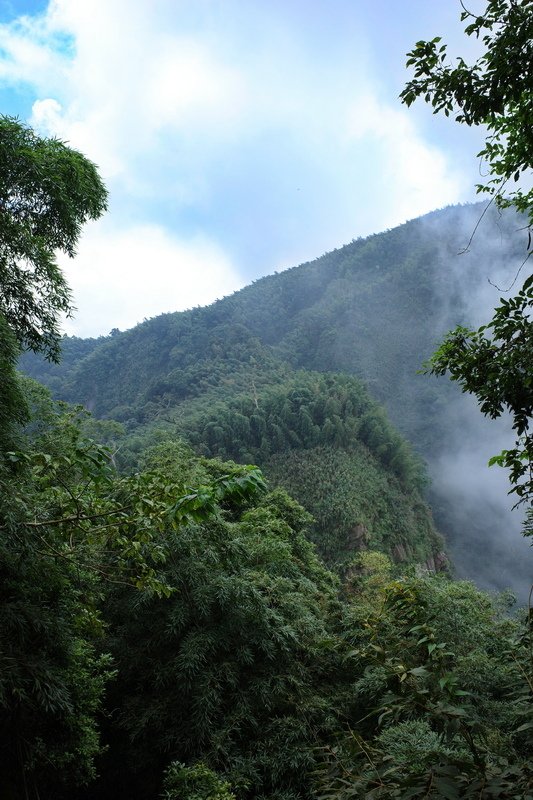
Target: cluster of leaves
point(494, 91)
point(52, 673)
point(47, 192)
point(13, 410)
point(449, 704)
point(194, 783)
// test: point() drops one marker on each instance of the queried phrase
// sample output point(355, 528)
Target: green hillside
point(373, 309)
point(325, 440)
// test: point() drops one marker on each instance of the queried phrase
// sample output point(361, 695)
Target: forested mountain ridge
point(167, 629)
point(375, 309)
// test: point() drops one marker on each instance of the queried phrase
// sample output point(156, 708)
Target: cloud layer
point(234, 139)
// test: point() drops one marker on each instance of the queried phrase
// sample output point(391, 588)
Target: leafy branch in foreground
point(493, 363)
point(47, 192)
point(114, 525)
point(494, 91)
point(451, 719)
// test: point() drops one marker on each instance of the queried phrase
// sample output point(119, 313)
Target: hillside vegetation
point(168, 628)
point(374, 308)
point(238, 379)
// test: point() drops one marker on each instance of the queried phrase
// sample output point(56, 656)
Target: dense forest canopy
point(173, 625)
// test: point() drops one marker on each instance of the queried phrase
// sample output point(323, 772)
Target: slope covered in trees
point(322, 434)
point(167, 630)
point(373, 309)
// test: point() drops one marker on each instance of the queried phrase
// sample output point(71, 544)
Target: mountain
point(374, 309)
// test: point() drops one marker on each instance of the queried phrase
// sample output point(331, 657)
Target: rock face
point(401, 552)
point(437, 562)
point(358, 537)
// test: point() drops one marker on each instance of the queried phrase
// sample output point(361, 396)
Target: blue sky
point(236, 137)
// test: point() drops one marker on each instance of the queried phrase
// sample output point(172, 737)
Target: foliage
point(494, 92)
point(194, 783)
point(493, 362)
point(447, 717)
point(13, 408)
point(52, 676)
point(47, 192)
point(69, 525)
point(231, 668)
point(240, 659)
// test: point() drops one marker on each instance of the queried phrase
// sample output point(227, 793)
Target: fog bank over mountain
point(484, 533)
point(472, 506)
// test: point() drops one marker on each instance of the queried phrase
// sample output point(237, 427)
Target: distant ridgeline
point(272, 375)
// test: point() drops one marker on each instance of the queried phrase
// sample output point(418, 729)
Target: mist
point(472, 506)
point(471, 500)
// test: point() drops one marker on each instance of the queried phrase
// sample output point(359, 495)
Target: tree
point(69, 524)
point(494, 92)
point(494, 362)
point(70, 527)
point(47, 192)
point(443, 695)
point(238, 668)
point(13, 409)
point(52, 678)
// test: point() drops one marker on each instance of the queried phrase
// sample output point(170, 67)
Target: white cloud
point(419, 176)
point(129, 73)
point(185, 86)
point(120, 277)
point(241, 125)
point(31, 54)
point(46, 116)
